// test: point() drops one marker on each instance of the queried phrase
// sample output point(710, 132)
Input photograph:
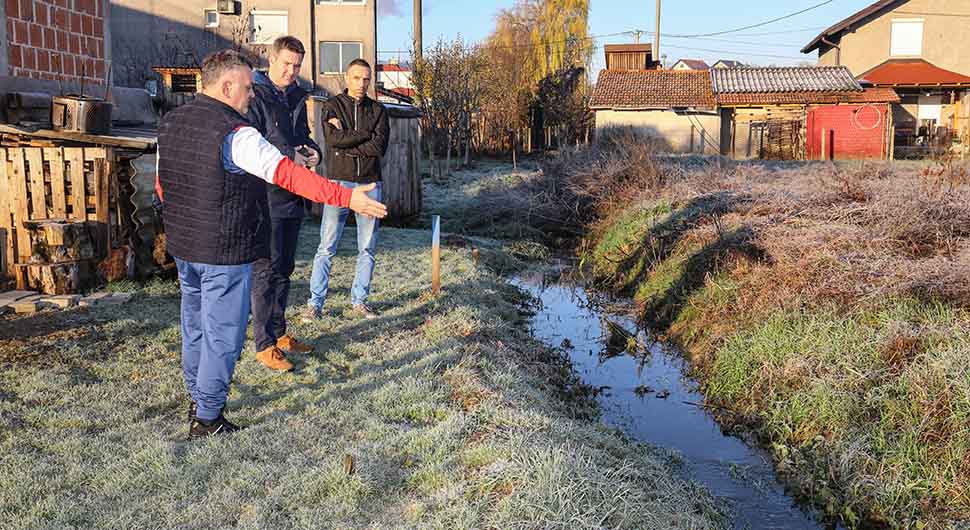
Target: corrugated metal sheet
point(784, 79)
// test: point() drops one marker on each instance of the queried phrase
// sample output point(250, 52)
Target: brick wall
point(854, 131)
point(57, 39)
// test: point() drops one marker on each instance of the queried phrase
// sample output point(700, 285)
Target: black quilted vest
point(211, 216)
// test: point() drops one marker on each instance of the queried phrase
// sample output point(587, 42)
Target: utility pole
point(418, 41)
point(636, 36)
point(656, 38)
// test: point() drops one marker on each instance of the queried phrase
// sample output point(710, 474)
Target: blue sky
point(474, 20)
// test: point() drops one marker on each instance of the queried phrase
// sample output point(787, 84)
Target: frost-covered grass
point(452, 416)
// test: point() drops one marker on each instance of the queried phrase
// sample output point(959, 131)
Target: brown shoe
point(274, 359)
point(292, 345)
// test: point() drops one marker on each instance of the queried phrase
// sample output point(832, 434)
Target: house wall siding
point(945, 38)
point(151, 33)
point(696, 133)
point(56, 40)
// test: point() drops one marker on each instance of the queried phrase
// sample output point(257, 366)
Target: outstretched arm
point(250, 152)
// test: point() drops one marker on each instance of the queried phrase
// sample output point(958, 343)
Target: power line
point(733, 41)
point(736, 52)
point(786, 32)
point(765, 23)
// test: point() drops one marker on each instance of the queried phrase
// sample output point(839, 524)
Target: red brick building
point(56, 40)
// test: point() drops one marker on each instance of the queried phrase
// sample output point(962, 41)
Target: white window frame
point(205, 17)
point(341, 58)
point(252, 23)
point(350, 3)
point(896, 48)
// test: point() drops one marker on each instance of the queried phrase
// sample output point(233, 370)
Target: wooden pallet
point(49, 183)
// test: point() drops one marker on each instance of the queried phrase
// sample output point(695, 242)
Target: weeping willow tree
point(559, 37)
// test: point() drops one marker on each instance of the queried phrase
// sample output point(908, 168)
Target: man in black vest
point(213, 168)
point(279, 112)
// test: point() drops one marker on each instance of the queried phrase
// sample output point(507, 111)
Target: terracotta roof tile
point(869, 95)
point(784, 79)
point(912, 72)
point(643, 89)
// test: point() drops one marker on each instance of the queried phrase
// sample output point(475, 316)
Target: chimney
point(630, 57)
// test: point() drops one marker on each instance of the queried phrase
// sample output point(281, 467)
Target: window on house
point(907, 38)
point(267, 26)
point(335, 56)
point(184, 83)
point(211, 18)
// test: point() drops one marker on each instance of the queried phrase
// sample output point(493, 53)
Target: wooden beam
point(18, 180)
point(6, 217)
point(38, 192)
point(55, 158)
point(75, 155)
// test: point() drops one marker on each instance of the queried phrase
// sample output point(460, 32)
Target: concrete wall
point(172, 33)
point(348, 23)
point(681, 133)
point(62, 39)
point(946, 39)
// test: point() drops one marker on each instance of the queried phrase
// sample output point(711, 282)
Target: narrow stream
point(645, 394)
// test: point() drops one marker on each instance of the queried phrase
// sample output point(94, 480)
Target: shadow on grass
point(663, 310)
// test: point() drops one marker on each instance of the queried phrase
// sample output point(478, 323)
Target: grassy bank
point(825, 307)
point(453, 418)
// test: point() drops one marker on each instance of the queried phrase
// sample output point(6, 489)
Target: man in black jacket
point(356, 130)
point(279, 112)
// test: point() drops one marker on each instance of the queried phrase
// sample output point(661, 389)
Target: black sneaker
point(202, 428)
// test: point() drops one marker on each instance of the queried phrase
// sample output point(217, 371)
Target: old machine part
point(81, 114)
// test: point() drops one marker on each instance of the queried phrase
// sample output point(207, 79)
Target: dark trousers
point(271, 283)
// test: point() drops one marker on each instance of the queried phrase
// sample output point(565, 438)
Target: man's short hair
point(287, 42)
point(218, 63)
point(359, 62)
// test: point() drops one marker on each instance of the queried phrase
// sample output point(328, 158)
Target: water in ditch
point(644, 392)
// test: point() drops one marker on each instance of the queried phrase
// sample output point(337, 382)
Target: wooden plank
point(38, 192)
point(18, 181)
point(133, 142)
point(75, 155)
point(97, 156)
point(55, 158)
point(6, 216)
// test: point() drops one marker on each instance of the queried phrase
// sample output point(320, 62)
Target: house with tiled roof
point(727, 63)
point(690, 64)
point(920, 49)
point(674, 107)
point(806, 112)
point(790, 113)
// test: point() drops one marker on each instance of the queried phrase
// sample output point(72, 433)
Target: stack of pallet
point(54, 216)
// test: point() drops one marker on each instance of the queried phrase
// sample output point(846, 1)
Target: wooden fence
point(50, 184)
point(400, 166)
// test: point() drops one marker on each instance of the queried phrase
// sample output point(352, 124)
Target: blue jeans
point(331, 227)
point(215, 308)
